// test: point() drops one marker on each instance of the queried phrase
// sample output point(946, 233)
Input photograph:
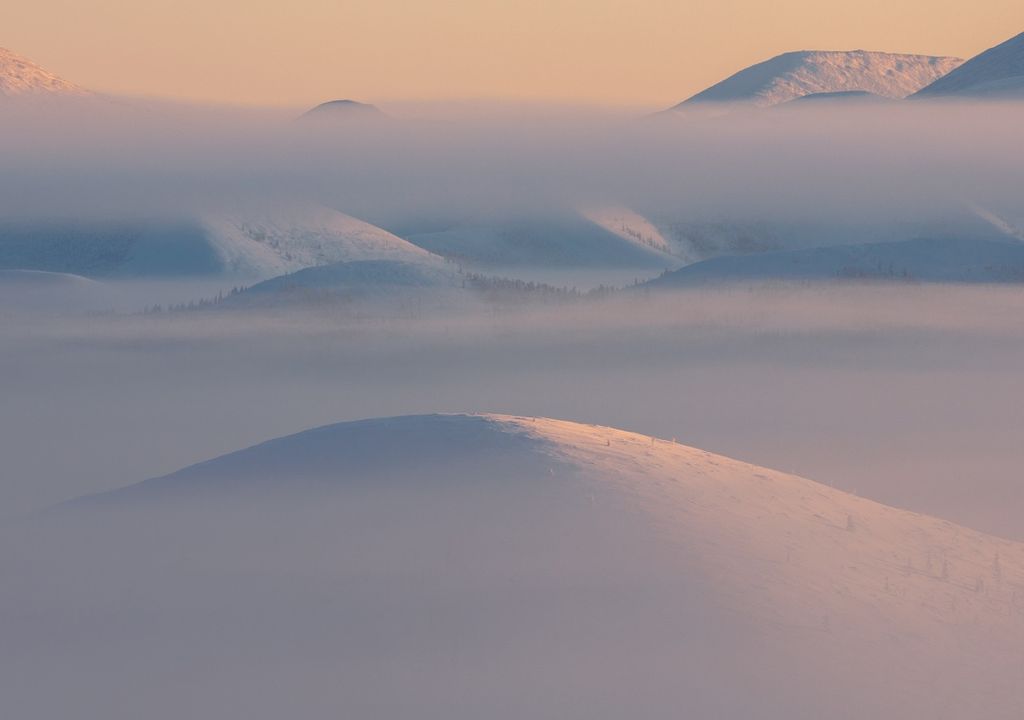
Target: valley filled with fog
point(504, 410)
point(907, 395)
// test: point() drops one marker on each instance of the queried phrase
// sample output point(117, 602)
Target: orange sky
point(619, 52)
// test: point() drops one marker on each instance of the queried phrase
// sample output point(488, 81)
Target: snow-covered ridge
point(796, 74)
point(997, 72)
point(21, 76)
point(285, 240)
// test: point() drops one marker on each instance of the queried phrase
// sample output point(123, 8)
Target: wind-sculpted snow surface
point(466, 566)
point(807, 72)
point(20, 77)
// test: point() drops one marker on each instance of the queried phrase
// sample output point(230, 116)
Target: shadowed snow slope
point(923, 260)
point(567, 240)
point(996, 73)
point(807, 72)
point(467, 566)
point(375, 280)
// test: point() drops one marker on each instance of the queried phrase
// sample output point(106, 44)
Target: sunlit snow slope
point(249, 245)
point(806, 72)
point(20, 76)
point(490, 565)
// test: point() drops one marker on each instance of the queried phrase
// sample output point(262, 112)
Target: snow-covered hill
point(796, 74)
point(971, 260)
point(274, 243)
point(20, 77)
point(996, 73)
point(490, 565)
point(249, 246)
point(630, 226)
point(374, 285)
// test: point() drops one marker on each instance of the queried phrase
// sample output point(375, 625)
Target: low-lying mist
point(904, 394)
point(912, 160)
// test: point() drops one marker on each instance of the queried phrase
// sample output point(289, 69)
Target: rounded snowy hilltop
point(458, 566)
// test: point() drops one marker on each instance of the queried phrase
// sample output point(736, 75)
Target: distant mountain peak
point(997, 72)
point(344, 109)
point(20, 76)
point(806, 72)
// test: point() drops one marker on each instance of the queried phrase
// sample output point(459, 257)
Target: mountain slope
point(20, 77)
point(376, 285)
point(923, 260)
point(796, 74)
point(566, 240)
point(997, 72)
point(247, 245)
point(278, 242)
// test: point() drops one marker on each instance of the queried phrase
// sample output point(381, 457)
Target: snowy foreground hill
point(808, 72)
point(468, 566)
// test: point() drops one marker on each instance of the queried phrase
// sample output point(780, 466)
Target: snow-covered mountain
point(954, 260)
point(250, 245)
point(807, 72)
point(996, 73)
point(499, 566)
point(289, 239)
point(20, 77)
